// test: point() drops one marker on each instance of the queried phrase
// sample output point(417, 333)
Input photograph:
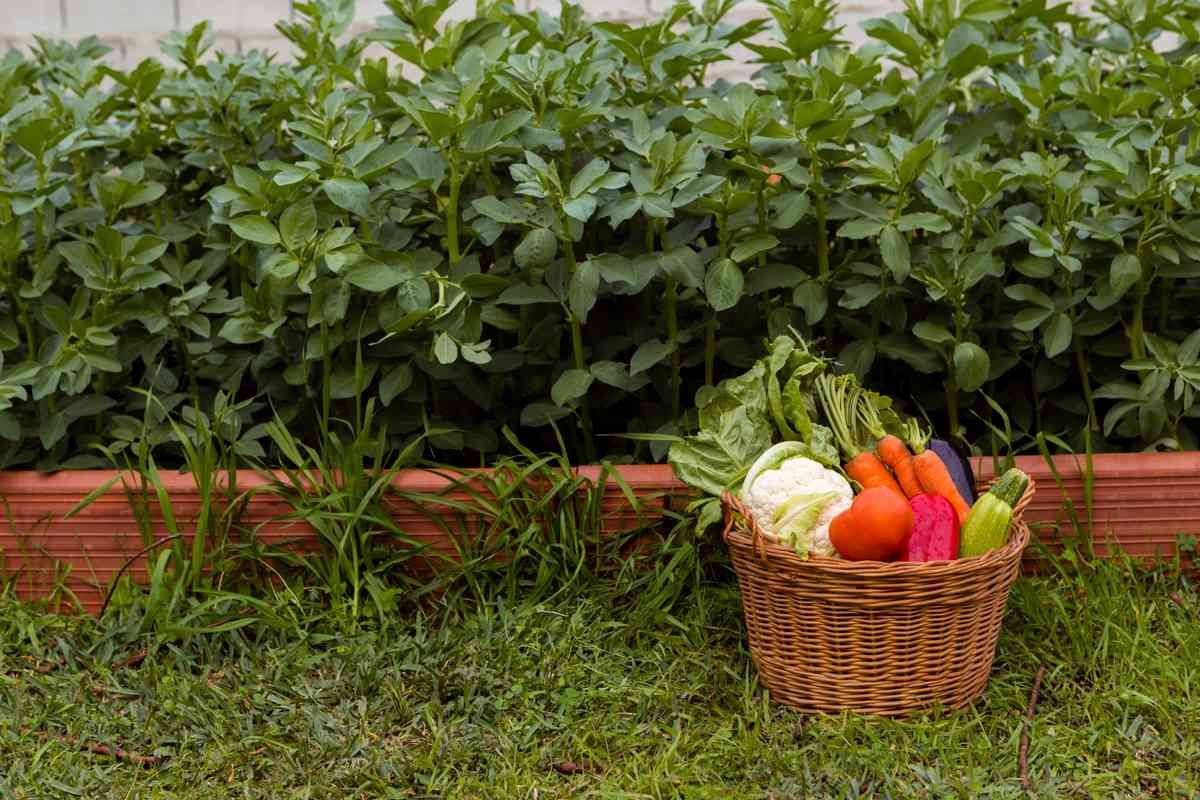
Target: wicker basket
point(870, 637)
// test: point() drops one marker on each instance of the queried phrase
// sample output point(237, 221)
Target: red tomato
point(875, 528)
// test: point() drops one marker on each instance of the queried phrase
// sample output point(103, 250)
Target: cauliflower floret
point(798, 476)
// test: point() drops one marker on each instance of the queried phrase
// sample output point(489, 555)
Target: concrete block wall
point(132, 28)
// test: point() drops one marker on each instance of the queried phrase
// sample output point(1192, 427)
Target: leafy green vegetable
point(739, 422)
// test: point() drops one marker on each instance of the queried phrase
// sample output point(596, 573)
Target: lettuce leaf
point(743, 416)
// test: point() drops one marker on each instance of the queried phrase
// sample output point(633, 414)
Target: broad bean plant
point(572, 227)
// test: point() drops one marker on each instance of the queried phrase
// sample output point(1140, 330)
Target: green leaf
point(101, 361)
point(894, 247)
point(145, 193)
point(483, 285)
point(971, 366)
point(583, 181)
point(282, 266)
point(81, 257)
point(749, 248)
point(684, 265)
point(932, 332)
point(52, 431)
point(861, 229)
point(813, 298)
point(581, 293)
point(377, 276)
point(860, 295)
point(716, 458)
point(617, 374)
point(648, 354)
point(789, 209)
point(904, 348)
point(1125, 272)
point(538, 414)
point(886, 31)
point(701, 186)
point(1056, 337)
point(494, 208)
point(1189, 349)
point(580, 208)
point(445, 349)
point(774, 276)
point(923, 221)
point(144, 249)
point(807, 113)
point(723, 284)
point(254, 228)
point(537, 249)
point(523, 294)
point(1028, 319)
point(298, 224)
point(476, 352)
point(570, 386)
point(350, 194)
point(1029, 294)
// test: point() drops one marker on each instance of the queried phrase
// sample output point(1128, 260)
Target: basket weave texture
point(870, 637)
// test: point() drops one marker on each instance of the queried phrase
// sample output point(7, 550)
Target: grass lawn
point(484, 700)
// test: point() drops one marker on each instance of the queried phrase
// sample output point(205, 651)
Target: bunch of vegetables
point(851, 478)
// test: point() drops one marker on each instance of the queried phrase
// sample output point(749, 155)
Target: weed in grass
point(533, 530)
point(192, 567)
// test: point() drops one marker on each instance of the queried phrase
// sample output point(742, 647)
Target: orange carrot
point(894, 453)
point(870, 472)
point(935, 479)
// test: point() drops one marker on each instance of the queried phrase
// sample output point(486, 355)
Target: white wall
point(132, 27)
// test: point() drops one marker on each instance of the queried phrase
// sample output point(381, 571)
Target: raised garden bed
point(1143, 504)
point(44, 546)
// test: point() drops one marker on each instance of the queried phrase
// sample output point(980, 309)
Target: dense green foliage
point(566, 220)
point(482, 701)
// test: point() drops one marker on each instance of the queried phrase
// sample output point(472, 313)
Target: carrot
point(935, 479)
point(895, 454)
point(870, 472)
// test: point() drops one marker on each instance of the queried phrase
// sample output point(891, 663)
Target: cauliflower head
point(766, 492)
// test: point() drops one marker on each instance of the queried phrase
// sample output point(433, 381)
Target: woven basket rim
point(741, 530)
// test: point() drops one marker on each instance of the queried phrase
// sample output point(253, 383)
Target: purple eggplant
point(958, 466)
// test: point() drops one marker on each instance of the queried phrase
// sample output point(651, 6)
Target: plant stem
point(762, 257)
point(1137, 334)
point(452, 213)
point(710, 326)
point(647, 297)
point(1082, 365)
point(1164, 307)
point(673, 337)
point(80, 183)
point(39, 216)
point(710, 349)
point(952, 405)
point(823, 259)
point(22, 313)
point(589, 439)
point(951, 379)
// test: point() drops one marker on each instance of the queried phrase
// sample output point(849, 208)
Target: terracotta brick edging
point(1145, 504)
point(40, 539)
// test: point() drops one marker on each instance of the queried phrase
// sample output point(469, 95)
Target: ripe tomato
point(875, 528)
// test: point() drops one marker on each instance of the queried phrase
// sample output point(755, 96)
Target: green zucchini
point(987, 523)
